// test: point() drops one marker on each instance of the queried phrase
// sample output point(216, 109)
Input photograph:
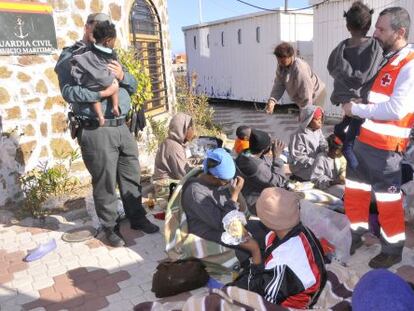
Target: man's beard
point(386, 46)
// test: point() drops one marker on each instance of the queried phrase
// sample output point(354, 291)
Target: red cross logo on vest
point(386, 79)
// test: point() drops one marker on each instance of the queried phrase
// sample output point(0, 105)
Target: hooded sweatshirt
point(258, 174)
point(305, 145)
point(171, 161)
point(325, 171)
point(354, 69)
point(90, 69)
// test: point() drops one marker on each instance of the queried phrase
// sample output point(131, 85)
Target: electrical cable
point(258, 7)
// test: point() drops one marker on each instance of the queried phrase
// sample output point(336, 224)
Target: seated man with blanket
point(193, 226)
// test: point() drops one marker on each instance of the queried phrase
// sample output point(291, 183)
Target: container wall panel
point(244, 70)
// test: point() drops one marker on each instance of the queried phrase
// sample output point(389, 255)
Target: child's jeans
point(347, 131)
point(406, 173)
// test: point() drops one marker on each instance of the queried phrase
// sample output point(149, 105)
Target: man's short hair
point(399, 19)
point(284, 50)
point(97, 17)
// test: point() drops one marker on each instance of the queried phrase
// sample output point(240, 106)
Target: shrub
point(130, 59)
point(159, 129)
point(196, 106)
point(44, 182)
point(190, 103)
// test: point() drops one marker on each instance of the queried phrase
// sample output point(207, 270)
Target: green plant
point(196, 106)
point(130, 59)
point(45, 182)
point(190, 103)
point(160, 132)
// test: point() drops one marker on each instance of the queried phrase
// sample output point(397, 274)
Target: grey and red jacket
point(293, 274)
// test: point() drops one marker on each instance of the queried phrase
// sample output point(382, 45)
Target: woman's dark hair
point(284, 50)
point(104, 30)
point(358, 18)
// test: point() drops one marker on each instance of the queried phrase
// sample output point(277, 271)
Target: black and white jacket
point(294, 273)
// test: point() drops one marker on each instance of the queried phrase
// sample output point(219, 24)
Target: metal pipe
point(200, 13)
point(286, 5)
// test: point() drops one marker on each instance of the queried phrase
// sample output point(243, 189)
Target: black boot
point(384, 260)
point(391, 254)
point(114, 237)
point(144, 225)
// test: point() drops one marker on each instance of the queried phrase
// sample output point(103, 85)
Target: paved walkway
point(93, 276)
point(76, 276)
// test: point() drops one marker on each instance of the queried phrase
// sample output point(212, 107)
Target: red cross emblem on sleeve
point(386, 79)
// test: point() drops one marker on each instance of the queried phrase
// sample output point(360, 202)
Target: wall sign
point(27, 28)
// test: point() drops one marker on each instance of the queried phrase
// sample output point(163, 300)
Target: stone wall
point(30, 103)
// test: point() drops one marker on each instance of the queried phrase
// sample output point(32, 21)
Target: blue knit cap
point(382, 290)
point(225, 169)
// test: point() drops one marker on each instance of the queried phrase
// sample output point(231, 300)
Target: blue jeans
point(348, 138)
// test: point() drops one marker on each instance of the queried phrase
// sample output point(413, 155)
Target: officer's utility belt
point(76, 123)
point(91, 123)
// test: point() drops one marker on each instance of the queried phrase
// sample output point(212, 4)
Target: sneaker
point(144, 225)
point(114, 238)
point(356, 243)
point(384, 260)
